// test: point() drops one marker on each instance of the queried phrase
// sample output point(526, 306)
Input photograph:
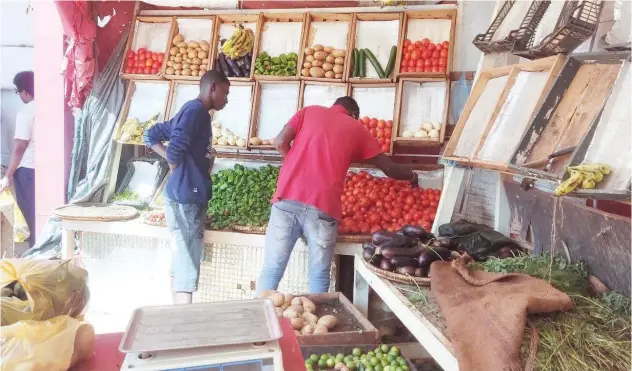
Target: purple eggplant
point(233, 66)
point(223, 66)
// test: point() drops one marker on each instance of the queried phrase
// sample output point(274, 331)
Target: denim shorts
point(186, 225)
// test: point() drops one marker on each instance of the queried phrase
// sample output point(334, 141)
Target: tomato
point(380, 141)
point(443, 53)
point(387, 140)
point(366, 119)
point(436, 54)
point(418, 44)
point(431, 47)
point(380, 133)
point(427, 226)
point(425, 41)
point(156, 65)
point(149, 62)
point(419, 69)
point(386, 148)
point(403, 69)
point(426, 54)
point(435, 69)
point(411, 63)
point(130, 63)
point(388, 132)
point(442, 68)
point(375, 228)
point(373, 122)
point(428, 62)
point(374, 132)
point(154, 71)
point(443, 62)
point(406, 56)
point(389, 124)
point(161, 57)
point(415, 55)
point(435, 62)
point(131, 54)
point(381, 124)
point(419, 63)
point(445, 44)
point(127, 69)
point(425, 203)
point(407, 42)
point(141, 58)
point(410, 48)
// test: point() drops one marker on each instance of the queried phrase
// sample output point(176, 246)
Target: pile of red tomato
point(424, 56)
point(380, 130)
point(371, 204)
point(143, 62)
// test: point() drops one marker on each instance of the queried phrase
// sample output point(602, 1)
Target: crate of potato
point(325, 46)
point(323, 62)
point(189, 53)
point(324, 319)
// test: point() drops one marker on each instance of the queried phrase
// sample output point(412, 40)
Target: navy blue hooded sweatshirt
point(189, 134)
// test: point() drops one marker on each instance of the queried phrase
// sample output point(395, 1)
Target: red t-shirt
point(327, 142)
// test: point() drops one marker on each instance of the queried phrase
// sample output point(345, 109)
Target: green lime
point(356, 359)
point(339, 356)
point(390, 358)
point(405, 367)
point(384, 363)
point(308, 362)
point(399, 369)
point(322, 363)
point(401, 360)
point(378, 368)
point(309, 367)
point(313, 357)
point(370, 354)
point(363, 357)
point(348, 359)
point(331, 362)
point(374, 361)
point(351, 365)
point(385, 348)
point(356, 352)
point(394, 350)
point(388, 368)
point(369, 368)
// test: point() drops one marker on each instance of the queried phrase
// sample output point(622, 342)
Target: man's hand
point(415, 181)
point(172, 167)
point(5, 183)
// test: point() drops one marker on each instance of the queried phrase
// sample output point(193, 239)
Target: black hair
point(212, 77)
point(25, 81)
point(350, 105)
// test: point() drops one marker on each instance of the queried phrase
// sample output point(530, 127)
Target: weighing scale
point(223, 336)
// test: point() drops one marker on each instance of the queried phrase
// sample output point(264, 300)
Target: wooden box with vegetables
point(426, 44)
point(236, 40)
point(377, 105)
point(279, 53)
point(189, 53)
point(146, 47)
point(325, 46)
point(275, 102)
point(145, 104)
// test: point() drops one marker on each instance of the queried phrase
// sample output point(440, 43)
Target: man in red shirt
point(325, 142)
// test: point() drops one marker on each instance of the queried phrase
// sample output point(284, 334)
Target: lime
point(378, 368)
point(348, 359)
point(385, 348)
point(368, 368)
point(399, 369)
point(322, 363)
point(356, 359)
point(313, 357)
point(356, 352)
point(309, 367)
point(405, 367)
point(331, 362)
point(394, 351)
point(351, 365)
point(388, 368)
point(390, 358)
point(362, 357)
point(339, 357)
point(374, 361)
point(370, 354)
point(401, 360)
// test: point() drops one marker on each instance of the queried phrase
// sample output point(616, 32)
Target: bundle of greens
point(241, 196)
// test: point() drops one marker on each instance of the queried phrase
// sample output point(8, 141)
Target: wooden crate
point(224, 19)
point(250, 104)
point(352, 327)
point(445, 14)
point(310, 34)
point(383, 106)
point(133, 39)
point(129, 97)
point(172, 108)
point(475, 135)
point(383, 47)
point(269, 20)
point(305, 84)
point(257, 108)
point(175, 30)
point(397, 123)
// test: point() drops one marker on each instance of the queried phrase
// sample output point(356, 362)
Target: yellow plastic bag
point(50, 288)
point(53, 345)
point(20, 228)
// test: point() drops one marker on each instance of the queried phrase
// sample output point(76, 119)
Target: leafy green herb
point(126, 195)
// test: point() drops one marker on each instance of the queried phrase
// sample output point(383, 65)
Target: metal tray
point(201, 325)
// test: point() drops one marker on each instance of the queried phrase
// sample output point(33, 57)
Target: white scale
point(223, 336)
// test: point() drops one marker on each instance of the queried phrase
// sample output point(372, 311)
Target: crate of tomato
point(146, 47)
point(143, 62)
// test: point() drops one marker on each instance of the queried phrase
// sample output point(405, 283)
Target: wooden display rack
point(426, 14)
point(398, 112)
point(172, 94)
point(304, 84)
point(266, 18)
point(368, 17)
point(175, 31)
point(308, 37)
point(236, 18)
point(394, 114)
point(254, 123)
point(552, 65)
point(131, 41)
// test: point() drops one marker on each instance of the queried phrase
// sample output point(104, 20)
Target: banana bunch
point(240, 43)
point(585, 176)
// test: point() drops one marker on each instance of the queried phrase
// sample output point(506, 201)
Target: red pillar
point(53, 140)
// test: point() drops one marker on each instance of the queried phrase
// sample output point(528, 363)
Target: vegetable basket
point(155, 183)
point(397, 277)
point(250, 229)
point(353, 238)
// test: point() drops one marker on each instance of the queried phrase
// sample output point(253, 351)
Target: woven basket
point(99, 212)
point(146, 220)
point(354, 238)
point(250, 230)
point(397, 277)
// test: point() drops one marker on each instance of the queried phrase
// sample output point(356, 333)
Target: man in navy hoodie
point(188, 187)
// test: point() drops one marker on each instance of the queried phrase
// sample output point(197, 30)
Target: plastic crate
point(518, 38)
point(577, 22)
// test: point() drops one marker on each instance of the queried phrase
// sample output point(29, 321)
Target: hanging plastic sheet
point(92, 148)
point(458, 96)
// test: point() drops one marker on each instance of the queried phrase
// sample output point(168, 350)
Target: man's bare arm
point(393, 169)
point(161, 150)
point(19, 146)
point(283, 140)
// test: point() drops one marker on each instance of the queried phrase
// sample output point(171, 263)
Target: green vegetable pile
point(126, 195)
point(283, 65)
point(382, 358)
point(241, 196)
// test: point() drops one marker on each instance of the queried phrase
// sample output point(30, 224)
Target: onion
point(434, 133)
point(407, 134)
point(421, 134)
point(426, 126)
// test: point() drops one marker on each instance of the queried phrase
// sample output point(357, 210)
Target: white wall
point(16, 54)
point(473, 18)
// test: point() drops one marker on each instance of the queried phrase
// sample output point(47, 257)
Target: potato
point(298, 308)
point(330, 59)
point(321, 56)
point(170, 71)
point(186, 72)
point(308, 305)
point(177, 67)
point(318, 48)
point(195, 67)
point(198, 50)
point(265, 142)
point(203, 68)
point(205, 46)
point(193, 45)
point(307, 330)
point(309, 58)
point(277, 298)
point(186, 66)
point(285, 306)
point(297, 333)
point(297, 323)
point(192, 54)
point(309, 317)
point(178, 72)
point(328, 66)
point(172, 57)
point(328, 49)
point(178, 55)
point(183, 51)
point(279, 311)
point(307, 65)
point(330, 74)
point(320, 329)
point(266, 293)
point(338, 76)
point(305, 72)
point(296, 301)
point(290, 313)
point(328, 321)
point(178, 39)
point(170, 63)
point(187, 60)
point(288, 299)
point(202, 54)
point(338, 53)
point(178, 60)
point(317, 64)
point(256, 141)
point(338, 366)
point(308, 51)
point(339, 60)
point(174, 51)
point(197, 61)
point(337, 68)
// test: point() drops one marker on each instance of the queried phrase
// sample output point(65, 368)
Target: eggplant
point(390, 239)
point(381, 237)
point(369, 255)
point(403, 261)
point(432, 254)
point(390, 252)
point(415, 231)
point(245, 71)
point(386, 265)
point(232, 65)
point(248, 60)
point(408, 270)
point(224, 66)
point(445, 242)
point(421, 272)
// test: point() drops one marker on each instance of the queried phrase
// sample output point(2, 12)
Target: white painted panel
point(12, 61)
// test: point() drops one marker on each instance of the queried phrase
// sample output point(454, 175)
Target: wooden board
point(175, 30)
point(236, 19)
point(375, 101)
point(258, 107)
point(352, 328)
point(132, 40)
point(564, 118)
point(271, 30)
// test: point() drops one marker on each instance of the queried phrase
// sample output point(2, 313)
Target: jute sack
point(486, 313)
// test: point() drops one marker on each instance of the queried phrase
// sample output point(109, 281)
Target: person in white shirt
point(21, 170)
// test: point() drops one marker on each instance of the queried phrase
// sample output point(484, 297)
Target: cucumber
point(362, 61)
point(356, 64)
point(391, 62)
point(375, 63)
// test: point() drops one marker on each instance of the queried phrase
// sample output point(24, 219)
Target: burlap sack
point(486, 313)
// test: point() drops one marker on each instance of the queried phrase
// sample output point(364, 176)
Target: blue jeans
point(24, 181)
point(186, 224)
point(289, 220)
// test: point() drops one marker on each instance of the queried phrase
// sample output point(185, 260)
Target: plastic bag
point(53, 345)
point(41, 289)
point(458, 97)
point(20, 228)
point(620, 32)
point(478, 241)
